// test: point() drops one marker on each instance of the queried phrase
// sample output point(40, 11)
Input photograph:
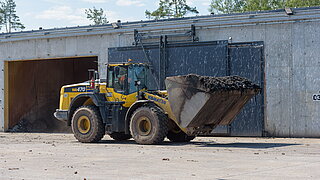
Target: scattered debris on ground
point(26, 155)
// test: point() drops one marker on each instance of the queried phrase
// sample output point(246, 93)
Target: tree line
point(166, 9)
point(180, 8)
point(8, 17)
point(238, 6)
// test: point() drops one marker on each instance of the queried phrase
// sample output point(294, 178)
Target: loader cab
point(129, 78)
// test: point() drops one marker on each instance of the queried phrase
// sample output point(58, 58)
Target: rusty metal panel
point(33, 89)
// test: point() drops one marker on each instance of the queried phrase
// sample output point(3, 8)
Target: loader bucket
point(198, 101)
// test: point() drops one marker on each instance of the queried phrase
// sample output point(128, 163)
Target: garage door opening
point(33, 91)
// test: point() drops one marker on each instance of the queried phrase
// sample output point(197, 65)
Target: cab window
point(110, 77)
point(117, 78)
point(136, 73)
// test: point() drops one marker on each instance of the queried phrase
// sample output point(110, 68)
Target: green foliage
point(301, 3)
point(171, 9)
point(97, 16)
point(261, 5)
point(226, 6)
point(235, 6)
point(9, 18)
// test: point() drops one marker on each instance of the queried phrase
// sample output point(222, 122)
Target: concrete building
point(35, 64)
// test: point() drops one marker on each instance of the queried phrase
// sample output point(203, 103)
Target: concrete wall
point(291, 56)
point(292, 74)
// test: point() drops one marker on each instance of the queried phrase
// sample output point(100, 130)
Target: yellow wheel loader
point(128, 104)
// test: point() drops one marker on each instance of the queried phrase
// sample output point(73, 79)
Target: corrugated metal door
point(216, 58)
point(199, 58)
point(247, 60)
point(203, 58)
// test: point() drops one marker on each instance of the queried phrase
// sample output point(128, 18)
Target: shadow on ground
point(248, 145)
point(209, 144)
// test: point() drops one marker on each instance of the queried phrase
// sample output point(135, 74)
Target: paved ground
point(59, 156)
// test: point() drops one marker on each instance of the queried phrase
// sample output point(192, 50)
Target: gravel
point(227, 83)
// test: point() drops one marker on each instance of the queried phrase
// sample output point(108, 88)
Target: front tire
point(149, 125)
point(87, 125)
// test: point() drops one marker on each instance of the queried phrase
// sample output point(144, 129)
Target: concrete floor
point(60, 156)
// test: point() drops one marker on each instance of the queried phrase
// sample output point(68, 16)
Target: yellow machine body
point(129, 86)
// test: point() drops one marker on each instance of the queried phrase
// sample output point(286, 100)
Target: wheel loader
point(128, 104)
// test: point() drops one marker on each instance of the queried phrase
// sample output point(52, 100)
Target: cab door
point(118, 85)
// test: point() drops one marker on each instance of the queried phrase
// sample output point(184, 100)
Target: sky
point(68, 13)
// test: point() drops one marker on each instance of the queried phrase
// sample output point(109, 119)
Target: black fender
point(79, 100)
point(131, 110)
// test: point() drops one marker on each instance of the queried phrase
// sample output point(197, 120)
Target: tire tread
point(163, 124)
point(99, 133)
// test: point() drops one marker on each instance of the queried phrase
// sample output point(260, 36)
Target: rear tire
point(87, 125)
point(120, 136)
point(149, 125)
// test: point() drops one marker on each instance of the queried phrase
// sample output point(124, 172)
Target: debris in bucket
point(212, 84)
